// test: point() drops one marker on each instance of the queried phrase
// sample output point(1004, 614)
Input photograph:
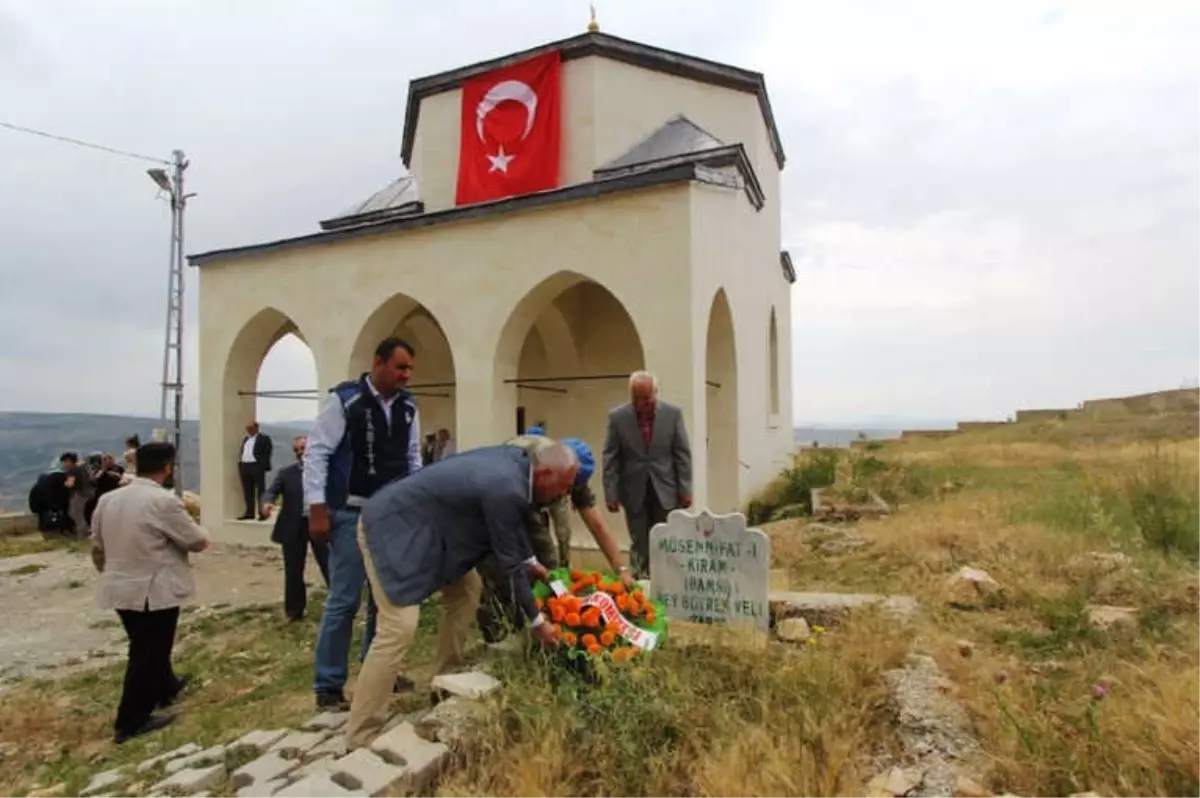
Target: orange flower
point(572, 619)
point(591, 617)
point(576, 574)
point(621, 654)
point(537, 602)
point(607, 638)
point(622, 602)
point(615, 628)
point(556, 612)
point(572, 603)
point(594, 650)
point(618, 587)
point(569, 638)
point(588, 640)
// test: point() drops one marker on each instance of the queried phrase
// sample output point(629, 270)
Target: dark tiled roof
point(605, 46)
point(785, 263)
point(679, 136)
point(398, 198)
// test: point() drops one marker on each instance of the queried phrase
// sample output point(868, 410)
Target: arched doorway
point(772, 368)
point(724, 492)
point(433, 381)
point(270, 377)
point(564, 359)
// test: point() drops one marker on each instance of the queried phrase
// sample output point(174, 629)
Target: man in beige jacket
point(141, 536)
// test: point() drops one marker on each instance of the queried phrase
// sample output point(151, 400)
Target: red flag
point(510, 131)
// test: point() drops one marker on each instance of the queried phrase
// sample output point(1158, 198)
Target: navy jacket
point(429, 530)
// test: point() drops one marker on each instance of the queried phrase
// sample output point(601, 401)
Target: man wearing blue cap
point(552, 548)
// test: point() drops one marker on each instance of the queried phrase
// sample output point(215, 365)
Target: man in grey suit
point(426, 533)
point(291, 531)
point(647, 464)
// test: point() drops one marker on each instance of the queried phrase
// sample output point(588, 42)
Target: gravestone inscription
point(709, 568)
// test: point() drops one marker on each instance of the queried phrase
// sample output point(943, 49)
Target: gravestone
point(709, 568)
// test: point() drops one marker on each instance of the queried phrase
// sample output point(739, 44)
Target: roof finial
point(593, 25)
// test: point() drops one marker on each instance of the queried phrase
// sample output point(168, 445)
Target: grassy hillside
point(31, 442)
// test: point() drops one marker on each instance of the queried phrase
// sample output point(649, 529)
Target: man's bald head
point(643, 391)
point(554, 470)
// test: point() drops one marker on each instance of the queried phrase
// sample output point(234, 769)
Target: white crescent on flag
point(507, 90)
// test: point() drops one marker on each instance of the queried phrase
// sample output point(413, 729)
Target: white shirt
point(327, 433)
point(248, 449)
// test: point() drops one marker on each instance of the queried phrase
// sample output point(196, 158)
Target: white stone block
point(192, 780)
point(209, 756)
point(334, 747)
point(324, 765)
point(319, 786)
point(263, 789)
point(363, 771)
point(296, 744)
point(471, 684)
point(259, 741)
point(102, 781)
point(327, 721)
point(422, 760)
point(183, 750)
point(270, 765)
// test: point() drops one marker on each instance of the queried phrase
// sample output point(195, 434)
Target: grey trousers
point(640, 521)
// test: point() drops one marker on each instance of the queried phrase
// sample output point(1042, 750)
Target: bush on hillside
point(1165, 503)
point(790, 493)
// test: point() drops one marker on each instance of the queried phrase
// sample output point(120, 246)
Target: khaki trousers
point(394, 633)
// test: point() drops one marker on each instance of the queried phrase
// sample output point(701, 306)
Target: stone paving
point(311, 760)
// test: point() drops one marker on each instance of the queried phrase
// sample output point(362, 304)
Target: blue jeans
point(347, 578)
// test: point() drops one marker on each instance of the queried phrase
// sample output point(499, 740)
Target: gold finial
point(593, 25)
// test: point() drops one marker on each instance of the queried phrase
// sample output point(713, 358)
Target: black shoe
point(262, 518)
point(246, 517)
point(333, 701)
point(437, 696)
point(152, 724)
point(180, 685)
point(403, 685)
point(295, 618)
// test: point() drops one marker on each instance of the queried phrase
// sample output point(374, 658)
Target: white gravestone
point(710, 568)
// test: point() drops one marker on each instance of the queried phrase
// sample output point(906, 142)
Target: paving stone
point(402, 717)
point(259, 741)
point(422, 760)
point(192, 780)
point(263, 789)
point(317, 766)
point(271, 765)
point(363, 771)
point(335, 747)
point(209, 756)
point(827, 609)
point(471, 684)
point(183, 750)
point(297, 744)
point(318, 786)
point(327, 721)
point(102, 781)
point(449, 722)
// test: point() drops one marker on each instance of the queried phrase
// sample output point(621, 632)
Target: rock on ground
point(422, 760)
point(181, 751)
point(827, 609)
point(1107, 617)
point(793, 630)
point(449, 722)
point(193, 780)
point(471, 684)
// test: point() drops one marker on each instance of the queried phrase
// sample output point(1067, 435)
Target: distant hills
point(30, 443)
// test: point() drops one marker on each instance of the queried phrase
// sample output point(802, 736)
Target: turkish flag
point(511, 128)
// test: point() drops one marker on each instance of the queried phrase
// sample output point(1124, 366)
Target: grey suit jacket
point(429, 529)
point(629, 464)
point(290, 524)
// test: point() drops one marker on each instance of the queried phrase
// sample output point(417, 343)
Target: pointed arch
point(721, 414)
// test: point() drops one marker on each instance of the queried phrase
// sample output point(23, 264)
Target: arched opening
point(433, 380)
point(772, 368)
point(565, 357)
point(270, 377)
point(724, 491)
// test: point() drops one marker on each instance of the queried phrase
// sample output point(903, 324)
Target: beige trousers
point(394, 632)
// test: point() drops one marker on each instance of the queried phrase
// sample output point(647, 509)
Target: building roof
point(699, 167)
point(604, 46)
point(679, 136)
point(398, 198)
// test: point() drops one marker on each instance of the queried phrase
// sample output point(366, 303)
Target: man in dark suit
point(291, 532)
point(647, 464)
point(253, 465)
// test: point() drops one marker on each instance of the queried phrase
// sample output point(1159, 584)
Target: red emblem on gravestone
point(707, 527)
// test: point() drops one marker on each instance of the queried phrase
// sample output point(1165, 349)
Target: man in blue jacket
point(427, 534)
point(367, 434)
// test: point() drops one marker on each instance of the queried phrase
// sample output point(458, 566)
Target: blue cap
point(587, 463)
point(535, 430)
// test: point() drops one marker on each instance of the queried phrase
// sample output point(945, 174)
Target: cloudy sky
point(991, 205)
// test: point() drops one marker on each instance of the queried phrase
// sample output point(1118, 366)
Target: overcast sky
point(991, 205)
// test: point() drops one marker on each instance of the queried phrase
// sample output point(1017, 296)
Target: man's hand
point(318, 523)
point(685, 502)
point(628, 580)
point(266, 511)
point(546, 635)
point(613, 506)
point(537, 571)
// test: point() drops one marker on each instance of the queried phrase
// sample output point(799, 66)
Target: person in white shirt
point(367, 434)
point(253, 466)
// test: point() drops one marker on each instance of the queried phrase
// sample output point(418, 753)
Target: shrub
point(1165, 503)
point(790, 493)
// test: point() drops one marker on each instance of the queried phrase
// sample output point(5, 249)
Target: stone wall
point(17, 524)
point(1179, 401)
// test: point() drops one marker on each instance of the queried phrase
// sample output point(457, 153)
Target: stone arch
point(567, 326)
point(434, 375)
point(721, 392)
point(772, 367)
point(239, 385)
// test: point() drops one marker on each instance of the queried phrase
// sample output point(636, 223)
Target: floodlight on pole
point(159, 176)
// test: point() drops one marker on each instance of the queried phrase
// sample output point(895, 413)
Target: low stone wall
point(975, 426)
point(1180, 401)
point(927, 433)
point(1044, 414)
point(17, 524)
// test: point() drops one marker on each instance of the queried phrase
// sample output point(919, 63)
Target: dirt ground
point(51, 624)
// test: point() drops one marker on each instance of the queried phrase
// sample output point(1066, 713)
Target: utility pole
point(172, 374)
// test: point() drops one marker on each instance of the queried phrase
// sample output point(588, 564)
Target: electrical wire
point(80, 143)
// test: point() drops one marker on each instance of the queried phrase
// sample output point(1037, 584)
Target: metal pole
point(172, 382)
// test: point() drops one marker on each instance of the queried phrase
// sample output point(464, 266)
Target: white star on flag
point(500, 161)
